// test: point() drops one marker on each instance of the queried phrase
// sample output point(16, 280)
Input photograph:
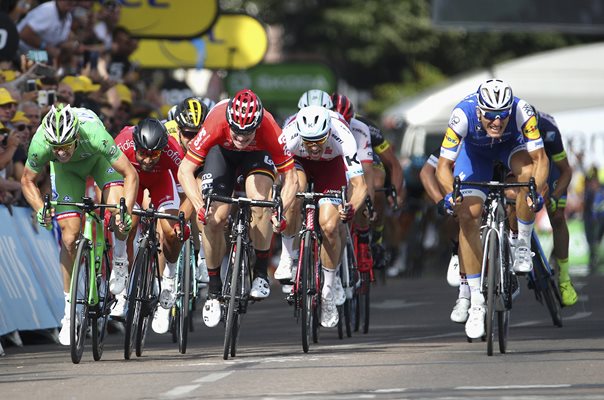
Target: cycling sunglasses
point(148, 153)
point(493, 115)
point(317, 142)
point(189, 134)
point(62, 147)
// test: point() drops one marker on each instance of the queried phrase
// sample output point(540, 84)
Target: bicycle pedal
point(167, 299)
point(290, 299)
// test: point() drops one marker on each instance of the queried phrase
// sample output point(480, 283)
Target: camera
point(4, 136)
point(38, 56)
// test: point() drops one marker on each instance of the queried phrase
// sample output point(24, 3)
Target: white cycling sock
point(287, 246)
point(169, 270)
point(328, 278)
point(119, 247)
point(476, 297)
point(525, 230)
point(464, 288)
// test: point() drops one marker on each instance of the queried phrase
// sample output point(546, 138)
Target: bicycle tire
point(492, 283)
point(503, 328)
point(99, 326)
point(135, 298)
point(183, 308)
point(306, 297)
point(150, 272)
point(365, 300)
point(233, 290)
point(340, 324)
point(546, 284)
point(79, 307)
point(239, 315)
point(315, 284)
point(347, 318)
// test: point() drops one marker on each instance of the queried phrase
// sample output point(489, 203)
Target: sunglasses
point(317, 142)
point(21, 128)
point(62, 147)
point(148, 153)
point(242, 132)
point(493, 115)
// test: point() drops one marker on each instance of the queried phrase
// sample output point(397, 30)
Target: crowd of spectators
point(72, 52)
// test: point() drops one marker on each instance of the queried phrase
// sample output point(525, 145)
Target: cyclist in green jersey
point(76, 144)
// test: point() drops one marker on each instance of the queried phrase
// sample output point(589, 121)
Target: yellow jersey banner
point(236, 41)
point(168, 19)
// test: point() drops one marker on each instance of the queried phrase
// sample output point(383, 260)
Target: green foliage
point(390, 46)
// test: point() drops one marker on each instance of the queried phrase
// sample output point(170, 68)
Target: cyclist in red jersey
point(238, 137)
point(156, 156)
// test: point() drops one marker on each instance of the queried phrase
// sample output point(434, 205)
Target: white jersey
point(341, 143)
point(362, 135)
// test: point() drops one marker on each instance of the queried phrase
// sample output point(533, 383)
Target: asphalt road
point(412, 351)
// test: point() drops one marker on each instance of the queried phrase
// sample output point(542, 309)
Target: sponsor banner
point(236, 41)
point(168, 19)
point(31, 285)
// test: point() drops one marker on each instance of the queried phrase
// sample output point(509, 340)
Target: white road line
point(393, 390)
point(507, 387)
point(213, 377)
point(179, 391)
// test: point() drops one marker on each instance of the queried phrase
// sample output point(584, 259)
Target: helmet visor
point(493, 115)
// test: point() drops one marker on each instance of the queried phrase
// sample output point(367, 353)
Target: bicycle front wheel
point(150, 302)
point(306, 285)
point(99, 326)
point(78, 313)
point(492, 285)
point(364, 292)
point(135, 299)
point(231, 330)
point(183, 306)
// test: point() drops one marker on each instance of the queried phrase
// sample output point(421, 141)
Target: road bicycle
point(186, 295)
point(498, 281)
point(542, 281)
point(90, 298)
point(145, 284)
point(350, 312)
point(238, 280)
point(306, 291)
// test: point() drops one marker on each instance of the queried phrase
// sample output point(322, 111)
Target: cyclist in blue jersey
point(491, 124)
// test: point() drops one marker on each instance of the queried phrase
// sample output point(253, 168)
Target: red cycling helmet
point(244, 112)
point(343, 105)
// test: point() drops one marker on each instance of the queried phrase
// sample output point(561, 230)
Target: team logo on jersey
point(110, 170)
point(67, 198)
point(530, 130)
point(85, 155)
point(33, 163)
point(550, 136)
point(450, 140)
point(112, 150)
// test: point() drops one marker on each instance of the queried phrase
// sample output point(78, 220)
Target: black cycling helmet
point(150, 134)
point(190, 114)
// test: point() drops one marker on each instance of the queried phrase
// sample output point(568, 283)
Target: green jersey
point(93, 140)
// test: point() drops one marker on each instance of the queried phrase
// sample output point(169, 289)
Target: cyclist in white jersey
point(320, 141)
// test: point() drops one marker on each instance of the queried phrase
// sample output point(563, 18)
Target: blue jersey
point(552, 140)
point(465, 125)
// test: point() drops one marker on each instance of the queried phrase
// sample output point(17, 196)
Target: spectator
point(9, 141)
point(107, 17)
point(120, 69)
point(8, 108)
point(47, 27)
point(33, 113)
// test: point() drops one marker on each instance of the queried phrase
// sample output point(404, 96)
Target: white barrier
point(31, 285)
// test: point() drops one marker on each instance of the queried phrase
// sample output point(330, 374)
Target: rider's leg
point(289, 252)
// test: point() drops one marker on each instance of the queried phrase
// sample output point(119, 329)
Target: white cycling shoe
point(460, 310)
point(339, 293)
point(260, 288)
point(523, 258)
point(284, 269)
point(119, 275)
point(212, 312)
point(475, 322)
point(453, 278)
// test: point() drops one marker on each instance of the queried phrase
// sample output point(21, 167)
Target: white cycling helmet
point(313, 123)
point(315, 97)
point(495, 95)
point(61, 125)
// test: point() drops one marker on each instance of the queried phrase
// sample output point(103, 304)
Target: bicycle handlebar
point(152, 213)
point(86, 205)
point(390, 192)
point(532, 186)
point(241, 200)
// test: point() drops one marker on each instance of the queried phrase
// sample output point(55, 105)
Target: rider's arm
point(289, 189)
point(124, 168)
point(368, 174)
point(358, 192)
point(396, 172)
point(189, 183)
point(540, 167)
point(30, 190)
point(428, 177)
point(444, 174)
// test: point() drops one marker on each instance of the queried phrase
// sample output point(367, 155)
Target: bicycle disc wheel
point(151, 300)
point(233, 293)
point(306, 295)
point(135, 298)
point(78, 313)
point(492, 283)
point(185, 297)
point(99, 326)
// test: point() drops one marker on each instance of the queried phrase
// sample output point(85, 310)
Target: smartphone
point(52, 97)
point(31, 85)
point(94, 60)
point(38, 56)
point(42, 98)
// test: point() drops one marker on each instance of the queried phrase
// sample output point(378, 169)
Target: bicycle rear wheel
point(306, 290)
point(150, 302)
point(546, 284)
point(183, 306)
point(492, 285)
point(232, 294)
point(364, 300)
point(99, 326)
point(78, 313)
point(135, 299)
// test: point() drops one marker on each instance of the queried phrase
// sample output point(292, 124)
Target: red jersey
point(216, 131)
point(170, 157)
